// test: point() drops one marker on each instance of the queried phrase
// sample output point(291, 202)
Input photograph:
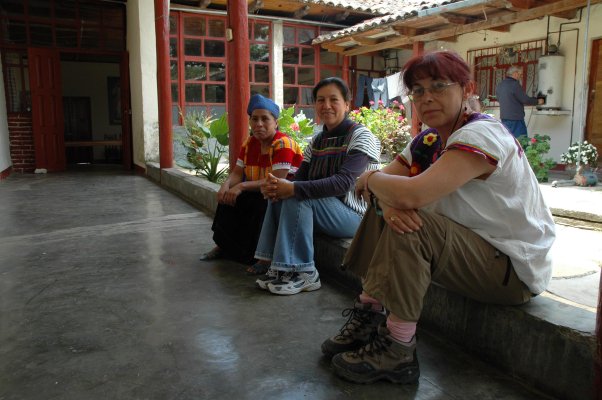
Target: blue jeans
point(516, 127)
point(288, 230)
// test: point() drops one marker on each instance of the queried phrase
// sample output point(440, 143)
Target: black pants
point(236, 229)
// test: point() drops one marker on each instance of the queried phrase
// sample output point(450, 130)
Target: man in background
point(512, 99)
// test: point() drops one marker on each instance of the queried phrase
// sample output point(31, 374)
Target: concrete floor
point(102, 296)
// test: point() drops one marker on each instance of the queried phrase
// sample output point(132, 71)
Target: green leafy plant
point(535, 149)
point(206, 143)
point(298, 127)
point(586, 155)
point(388, 124)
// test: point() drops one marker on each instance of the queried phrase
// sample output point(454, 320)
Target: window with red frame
point(260, 42)
point(490, 65)
point(299, 60)
point(198, 63)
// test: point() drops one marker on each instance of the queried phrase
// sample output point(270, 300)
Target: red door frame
point(126, 112)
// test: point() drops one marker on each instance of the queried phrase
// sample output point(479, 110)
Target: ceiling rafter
point(491, 23)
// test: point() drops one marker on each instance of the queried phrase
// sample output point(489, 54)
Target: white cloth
point(507, 209)
point(394, 86)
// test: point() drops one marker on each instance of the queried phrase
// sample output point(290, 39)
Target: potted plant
point(535, 149)
point(585, 155)
point(298, 127)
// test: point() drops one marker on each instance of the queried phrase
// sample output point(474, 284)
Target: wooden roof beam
point(508, 19)
point(523, 4)
point(302, 12)
point(255, 6)
point(365, 41)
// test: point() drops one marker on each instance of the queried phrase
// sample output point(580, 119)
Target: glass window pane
point(306, 96)
point(288, 75)
point(173, 47)
point(289, 35)
point(327, 57)
point(65, 10)
point(217, 28)
point(41, 35)
point(215, 94)
point(261, 32)
point(66, 36)
point(290, 55)
point(195, 71)
point(173, 24)
point(14, 89)
point(114, 39)
point(174, 92)
point(290, 95)
point(308, 56)
point(112, 16)
point(306, 35)
point(260, 89)
point(217, 72)
point(215, 48)
point(306, 76)
point(90, 38)
point(194, 93)
point(262, 73)
point(90, 13)
point(194, 26)
point(39, 8)
point(260, 52)
point(173, 67)
point(16, 33)
point(13, 7)
point(192, 47)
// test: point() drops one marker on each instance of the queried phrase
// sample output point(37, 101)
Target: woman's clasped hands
point(276, 189)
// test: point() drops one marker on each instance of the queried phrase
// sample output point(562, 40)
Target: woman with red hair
point(459, 206)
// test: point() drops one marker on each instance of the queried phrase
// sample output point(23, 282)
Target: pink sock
point(366, 298)
point(402, 331)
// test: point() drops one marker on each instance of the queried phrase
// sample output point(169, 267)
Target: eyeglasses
point(436, 89)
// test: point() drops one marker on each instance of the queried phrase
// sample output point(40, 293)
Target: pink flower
point(395, 102)
point(295, 126)
point(380, 102)
point(400, 119)
point(533, 140)
point(371, 102)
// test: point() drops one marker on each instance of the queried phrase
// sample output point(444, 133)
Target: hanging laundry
point(363, 82)
point(379, 88)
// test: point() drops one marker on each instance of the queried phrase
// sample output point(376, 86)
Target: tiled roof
point(381, 7)
point(397, 11)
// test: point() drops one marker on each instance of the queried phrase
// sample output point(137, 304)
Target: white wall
point(561, 129)
point(5, 160)
point(143, 81)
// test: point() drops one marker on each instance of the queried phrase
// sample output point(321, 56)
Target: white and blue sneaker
point(270, 276)
point(295, 282)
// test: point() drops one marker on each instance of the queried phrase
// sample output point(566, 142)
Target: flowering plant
point(535, 149)
point(388, 124)
point(298, 127)
point(588, 155)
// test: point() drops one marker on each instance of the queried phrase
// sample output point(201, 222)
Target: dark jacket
point(512, 99)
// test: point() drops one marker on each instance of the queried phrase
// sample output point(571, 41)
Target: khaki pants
point(398, 269)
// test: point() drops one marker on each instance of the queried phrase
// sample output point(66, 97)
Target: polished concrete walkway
point(102, 296)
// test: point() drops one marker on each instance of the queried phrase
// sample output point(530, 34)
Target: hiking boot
point(295, 282)
point(270, 276)
point(383, 358)
point(362, 323)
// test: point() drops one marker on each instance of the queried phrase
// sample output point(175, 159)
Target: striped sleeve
point(364, 141)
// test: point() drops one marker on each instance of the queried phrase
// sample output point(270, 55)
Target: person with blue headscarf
point(241, 206)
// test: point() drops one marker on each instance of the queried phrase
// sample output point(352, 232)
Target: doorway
point(593, 126)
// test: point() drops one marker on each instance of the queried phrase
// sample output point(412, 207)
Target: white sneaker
point(295, 282)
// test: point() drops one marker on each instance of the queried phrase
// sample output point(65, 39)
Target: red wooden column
point(238, 76)
point(417, 49)
point(345, 74)
point(163, 83)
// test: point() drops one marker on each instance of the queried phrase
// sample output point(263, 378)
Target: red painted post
point(163, 83)
point(345, 74)
point(417, 49)
point(238, 76)
point(598, 358)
